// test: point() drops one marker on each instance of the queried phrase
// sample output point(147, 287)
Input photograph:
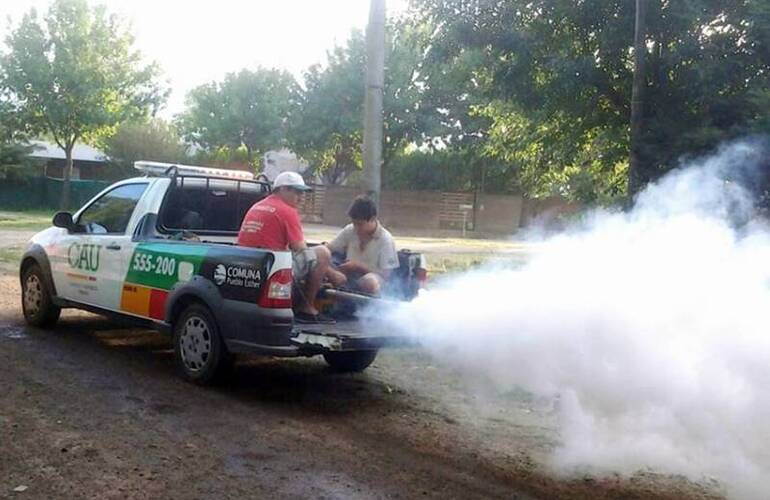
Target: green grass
point(472, 253)
point(426, 243)
point(449, 263)
point(25, 219)
point(447, 255)
point(11, 255)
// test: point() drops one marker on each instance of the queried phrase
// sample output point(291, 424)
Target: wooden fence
point(439, 211)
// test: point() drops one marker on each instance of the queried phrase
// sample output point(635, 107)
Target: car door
point(94, 260)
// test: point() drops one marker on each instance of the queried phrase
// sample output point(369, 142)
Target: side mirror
point(64, 220)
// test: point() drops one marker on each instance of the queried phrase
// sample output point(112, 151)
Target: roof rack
point(156, 168)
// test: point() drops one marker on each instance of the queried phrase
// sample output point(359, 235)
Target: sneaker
point(313, 319)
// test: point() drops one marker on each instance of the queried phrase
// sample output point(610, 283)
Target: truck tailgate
point(346, 335)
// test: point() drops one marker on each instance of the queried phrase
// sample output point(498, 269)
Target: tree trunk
point(249, 154)
point(636, 167)
point(65, 192)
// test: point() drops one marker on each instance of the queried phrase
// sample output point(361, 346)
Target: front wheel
point(200, 352)
point(36, 300)
point(350, 361)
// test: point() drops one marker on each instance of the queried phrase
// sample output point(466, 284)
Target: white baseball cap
point(292, 180)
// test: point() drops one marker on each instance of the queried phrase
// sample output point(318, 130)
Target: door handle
point(113, 246)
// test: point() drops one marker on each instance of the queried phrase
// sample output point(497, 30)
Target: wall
point(83, 170)
point(336, 203)
point(398, 209)
point(498, 214)
point(411, 209)
point(438, 212)
point(45, 193)
point(549, 212)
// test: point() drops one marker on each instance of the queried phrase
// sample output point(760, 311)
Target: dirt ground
point(95, 410)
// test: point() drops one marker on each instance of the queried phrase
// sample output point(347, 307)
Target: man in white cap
point(274, 223)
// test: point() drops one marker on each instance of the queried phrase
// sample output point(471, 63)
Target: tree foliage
point(450, 169)
point(556, 78)
point(223, 157)
point(74, 74)
point(328, 128)
point(248, 108)
point(152, 140)
point(14, 149)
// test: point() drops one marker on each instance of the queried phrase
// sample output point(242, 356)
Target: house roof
point(81, 152)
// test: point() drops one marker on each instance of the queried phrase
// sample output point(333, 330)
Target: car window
point(110, 213)
point(203, 205)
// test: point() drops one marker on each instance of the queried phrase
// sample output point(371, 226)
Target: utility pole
point(635, 162)
point(375, 80)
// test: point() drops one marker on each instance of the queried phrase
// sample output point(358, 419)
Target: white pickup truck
point(160, 250)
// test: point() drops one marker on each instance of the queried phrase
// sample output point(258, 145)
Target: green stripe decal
point(162, 265)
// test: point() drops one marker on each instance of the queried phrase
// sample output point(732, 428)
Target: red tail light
point(276, 293)
point(421, 275)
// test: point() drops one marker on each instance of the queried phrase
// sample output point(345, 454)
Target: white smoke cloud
point(651, 326)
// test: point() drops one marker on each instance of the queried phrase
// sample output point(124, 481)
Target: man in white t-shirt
point(370, 253)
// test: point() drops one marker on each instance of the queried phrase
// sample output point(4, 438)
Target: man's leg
point(370, 283)
point(320, 270)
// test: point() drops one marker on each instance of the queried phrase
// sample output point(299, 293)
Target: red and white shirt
point(271, 223)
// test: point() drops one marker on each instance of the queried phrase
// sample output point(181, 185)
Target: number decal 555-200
point(158, 264)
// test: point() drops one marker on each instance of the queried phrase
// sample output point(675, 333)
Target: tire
point(36, 299)
point(200, 353)
point(350, 361)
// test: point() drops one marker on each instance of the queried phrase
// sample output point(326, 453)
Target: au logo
point(85, 257)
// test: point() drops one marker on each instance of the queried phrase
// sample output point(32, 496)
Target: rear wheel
point(200, 352)
point(350, 361)
point(36, 300)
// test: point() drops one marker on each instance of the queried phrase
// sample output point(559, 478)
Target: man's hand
point(352, 267)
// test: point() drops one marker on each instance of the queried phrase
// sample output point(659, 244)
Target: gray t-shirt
point(378, 255)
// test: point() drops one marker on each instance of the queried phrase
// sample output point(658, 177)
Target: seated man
point(274, 223)
point(369, 249)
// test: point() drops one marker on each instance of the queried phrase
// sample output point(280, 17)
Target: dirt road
point(95, 410)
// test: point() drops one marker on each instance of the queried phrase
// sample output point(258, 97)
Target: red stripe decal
point(158, 304)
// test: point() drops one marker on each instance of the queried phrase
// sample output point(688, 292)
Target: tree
point(14, 150)
point(225, 157)
point(327, 128)
point(637, 97)
point(75, 74)
point(152, 140)
point(249, 109)
point(556, 77)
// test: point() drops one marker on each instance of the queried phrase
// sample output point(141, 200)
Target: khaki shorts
point(302, 263)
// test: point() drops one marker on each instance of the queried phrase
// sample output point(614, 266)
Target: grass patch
point(439, 244)
point(11, 255)
point(450, 263)
point(26, 219)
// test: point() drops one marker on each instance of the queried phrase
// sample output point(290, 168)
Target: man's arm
point(340, 242)
point(294, 234)
point(388, 258)
point(297, 246)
